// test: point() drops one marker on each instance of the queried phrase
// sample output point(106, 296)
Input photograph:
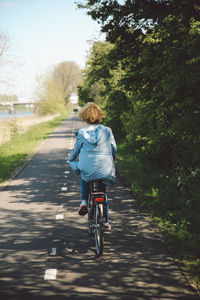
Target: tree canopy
point(67, 75)
point(54, 88)
point(148, 73)
point(116, 17)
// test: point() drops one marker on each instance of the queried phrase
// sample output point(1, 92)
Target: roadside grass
point(14, 152)
point(182, 244)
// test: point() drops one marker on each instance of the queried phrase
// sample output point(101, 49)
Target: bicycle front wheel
point(98, 229)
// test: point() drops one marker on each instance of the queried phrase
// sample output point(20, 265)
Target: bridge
point(16, 103)
point(11, 106)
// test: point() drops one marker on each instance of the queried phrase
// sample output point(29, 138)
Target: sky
point(41, 34)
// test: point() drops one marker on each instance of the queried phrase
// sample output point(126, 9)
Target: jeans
point(84, 196)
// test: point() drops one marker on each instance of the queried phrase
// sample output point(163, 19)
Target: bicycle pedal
point(107, 227)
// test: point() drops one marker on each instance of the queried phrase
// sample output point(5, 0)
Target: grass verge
point(14, 152)
point(182, 244)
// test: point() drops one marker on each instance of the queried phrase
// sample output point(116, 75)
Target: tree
point(55, 87)
point(100, 84)
point(96, 74)
point(116, 18)
point(49, 96)
point(67, 75)
point(152, 93)
point(4, 50)
point(9, 63)
point(8, 98)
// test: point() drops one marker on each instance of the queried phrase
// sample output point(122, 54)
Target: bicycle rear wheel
point(98, 229)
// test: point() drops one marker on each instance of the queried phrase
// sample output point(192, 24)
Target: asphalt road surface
point(45, 252)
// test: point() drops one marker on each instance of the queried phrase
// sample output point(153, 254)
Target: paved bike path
point(45, 252)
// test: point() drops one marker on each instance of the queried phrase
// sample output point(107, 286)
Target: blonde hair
point(91, 113)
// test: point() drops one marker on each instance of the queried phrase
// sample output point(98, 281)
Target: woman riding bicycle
point(95, 148)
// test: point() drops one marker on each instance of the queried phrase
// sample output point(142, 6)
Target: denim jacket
point(95, 149)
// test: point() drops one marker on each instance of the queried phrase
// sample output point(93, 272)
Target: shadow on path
point(135, 264)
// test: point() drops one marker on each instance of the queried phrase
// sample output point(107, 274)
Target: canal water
point(5, 115)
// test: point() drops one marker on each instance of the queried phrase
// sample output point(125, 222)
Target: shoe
point(83, 209)
point(107, 227)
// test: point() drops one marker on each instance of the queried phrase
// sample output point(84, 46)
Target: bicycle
point(96, 206)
